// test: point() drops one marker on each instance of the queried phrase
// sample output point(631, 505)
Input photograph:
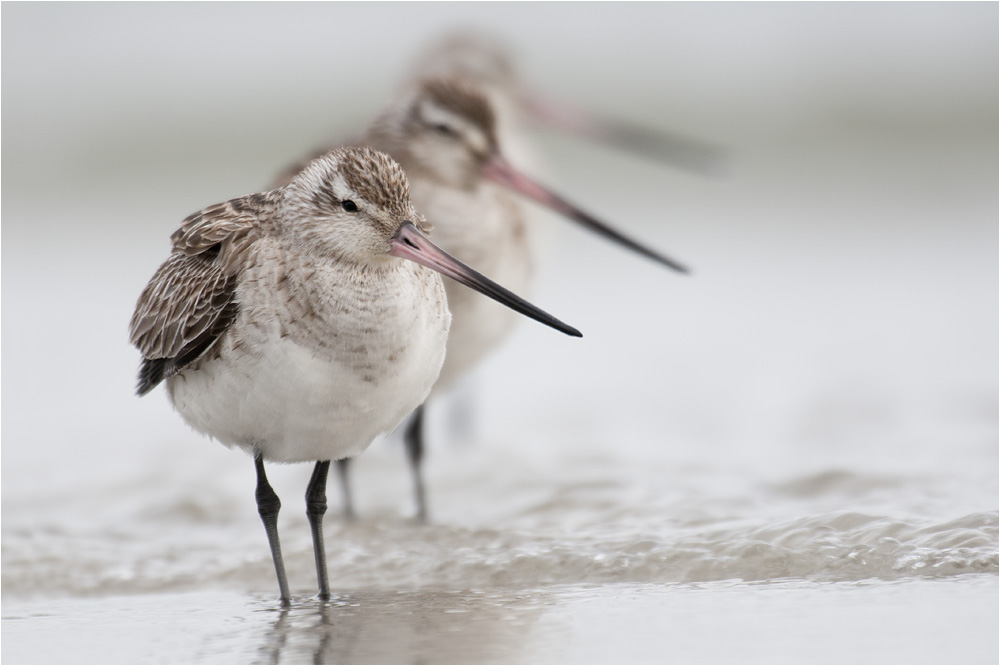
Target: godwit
point(484, 61)
point(444, 134)
point(286, 324)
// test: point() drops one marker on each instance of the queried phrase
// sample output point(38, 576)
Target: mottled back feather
point(191, 299)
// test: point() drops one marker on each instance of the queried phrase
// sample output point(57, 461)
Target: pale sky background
point(845, 267)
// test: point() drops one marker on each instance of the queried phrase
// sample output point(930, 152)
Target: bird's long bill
point(680, 151)
point(499, 170)
point(409, 243)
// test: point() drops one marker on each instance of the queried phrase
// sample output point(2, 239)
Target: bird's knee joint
point(268, 503)
point(315, 507)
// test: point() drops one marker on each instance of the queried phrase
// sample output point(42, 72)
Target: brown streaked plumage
point(285, 323)
point(190, 301)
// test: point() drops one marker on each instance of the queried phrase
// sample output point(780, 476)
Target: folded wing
point(191, 299)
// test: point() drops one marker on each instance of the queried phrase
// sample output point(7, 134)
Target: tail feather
point(151, 372)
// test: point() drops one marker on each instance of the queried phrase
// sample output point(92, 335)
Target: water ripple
point(388, 554)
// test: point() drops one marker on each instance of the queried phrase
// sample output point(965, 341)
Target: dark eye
point(349, 205)
point(444, 130)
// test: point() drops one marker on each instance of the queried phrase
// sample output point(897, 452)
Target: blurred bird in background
point(484, 61)
point(459, 116)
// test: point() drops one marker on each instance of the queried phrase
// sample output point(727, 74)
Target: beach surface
point(789, 456)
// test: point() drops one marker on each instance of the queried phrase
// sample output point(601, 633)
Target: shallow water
point(789, 456)
point(604, 561)
point(621, 623)
point(599, 521)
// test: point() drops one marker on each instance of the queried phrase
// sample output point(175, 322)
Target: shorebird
point(484, 61)
point(444, 134)
point(286, 324)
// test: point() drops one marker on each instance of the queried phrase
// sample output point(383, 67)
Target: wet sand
point(784, 622)
point(789, 456)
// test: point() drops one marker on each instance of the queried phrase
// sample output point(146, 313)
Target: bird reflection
point(401, 627)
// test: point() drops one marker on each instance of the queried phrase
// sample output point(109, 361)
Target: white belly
point(298, 400)
point(489, 230)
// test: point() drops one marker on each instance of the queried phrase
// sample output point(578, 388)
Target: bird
point(482, 59)
point(445, 134)
point(288, 323)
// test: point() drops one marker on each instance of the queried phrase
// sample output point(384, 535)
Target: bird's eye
point(349, 205)
point(444, 130)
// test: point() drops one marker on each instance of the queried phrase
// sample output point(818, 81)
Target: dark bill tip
point(500, 171)
point(409, 243)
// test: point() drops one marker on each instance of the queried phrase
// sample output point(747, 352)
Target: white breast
point(485, 228)
point(318, 376)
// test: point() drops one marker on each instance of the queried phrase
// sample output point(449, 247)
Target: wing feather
point(191, 299)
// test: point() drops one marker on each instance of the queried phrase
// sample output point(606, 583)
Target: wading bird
point(287, 323)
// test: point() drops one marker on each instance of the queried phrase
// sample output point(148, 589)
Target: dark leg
point(414, 439)
point(343, 468)
point(315, 509)
point(268, 506)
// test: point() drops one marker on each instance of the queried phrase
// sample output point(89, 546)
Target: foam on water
point(616, 525)
point(788, 456)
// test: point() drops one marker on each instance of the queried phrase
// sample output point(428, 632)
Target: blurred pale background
point(845, 267)
point(842, 314)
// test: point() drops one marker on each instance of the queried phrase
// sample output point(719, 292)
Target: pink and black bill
point(500, 171)
point(409, 243)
